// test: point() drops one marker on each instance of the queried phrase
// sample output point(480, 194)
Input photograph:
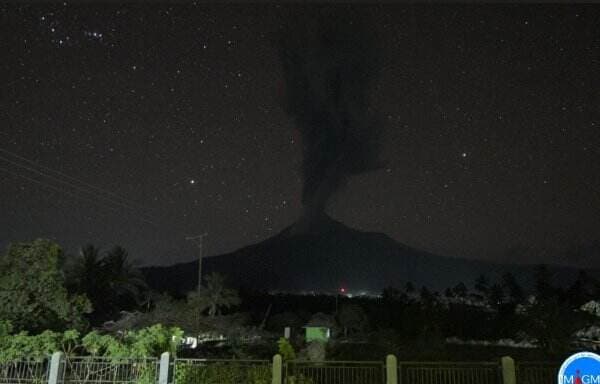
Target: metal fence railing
point(537, 372)
point(449, 372)
point(99, 370)
point(24, 372)
point(216, 371)
point(334, 372)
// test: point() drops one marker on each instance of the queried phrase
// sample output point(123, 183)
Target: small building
point(317, 334)
point(319, 328)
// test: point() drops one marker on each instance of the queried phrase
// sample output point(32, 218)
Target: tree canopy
point(109, 280)
point(33, 296)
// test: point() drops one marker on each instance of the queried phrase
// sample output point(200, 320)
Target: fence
point(87, 370)
point(536, 373)
point(449, 372)
point(335, 372)
point(24, 372)
point(201, 371)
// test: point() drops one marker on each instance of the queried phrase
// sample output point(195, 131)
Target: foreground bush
point(144, 343)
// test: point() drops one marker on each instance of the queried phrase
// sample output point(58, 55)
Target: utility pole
point(198, 240)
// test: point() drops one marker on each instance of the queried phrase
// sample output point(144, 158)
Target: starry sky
point(142, 125)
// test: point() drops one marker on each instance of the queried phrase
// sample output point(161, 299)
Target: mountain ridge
point(327, 255)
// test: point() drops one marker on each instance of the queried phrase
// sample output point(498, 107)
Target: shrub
point(286, 350)
point(147, 342)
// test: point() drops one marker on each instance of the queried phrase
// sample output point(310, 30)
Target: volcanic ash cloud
point(328, 61)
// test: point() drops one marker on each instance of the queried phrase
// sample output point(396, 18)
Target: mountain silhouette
point(325, 255)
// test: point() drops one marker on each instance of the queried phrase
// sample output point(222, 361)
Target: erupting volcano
point(328, 61)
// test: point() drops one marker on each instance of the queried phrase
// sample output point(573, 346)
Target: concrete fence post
point(56, 368)
point(509, 375)
point(163, 372)
point(277, 369)
point(391, 370)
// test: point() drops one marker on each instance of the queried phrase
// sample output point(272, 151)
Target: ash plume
point(328, 60)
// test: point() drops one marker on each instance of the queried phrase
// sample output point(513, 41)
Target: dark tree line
point(109, 279)
point(44, 289)
point(418, 319)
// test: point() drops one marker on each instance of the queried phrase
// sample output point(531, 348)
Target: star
point(143, 127)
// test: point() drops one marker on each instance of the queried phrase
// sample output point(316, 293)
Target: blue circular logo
point(581, 368)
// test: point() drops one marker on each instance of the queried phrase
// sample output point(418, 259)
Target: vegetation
point(143, 343)
point(33, 296)
point(44, 305)
point(217, 295)
point(110, 281)
point(286, 350)
point(315, 351)
point(352, 318)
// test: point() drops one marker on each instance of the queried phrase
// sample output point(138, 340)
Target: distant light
point(342, 290)
point(192, 181)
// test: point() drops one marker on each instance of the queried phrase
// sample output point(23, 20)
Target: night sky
point(172, 118)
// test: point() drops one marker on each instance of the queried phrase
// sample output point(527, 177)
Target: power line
point(69, 193)
point(93, 190)
point(101, 190)
point(76, 187)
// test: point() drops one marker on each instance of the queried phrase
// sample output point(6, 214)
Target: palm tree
point(85, 276)
point(217, 295)
point(110, 281)
point(124, 280)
